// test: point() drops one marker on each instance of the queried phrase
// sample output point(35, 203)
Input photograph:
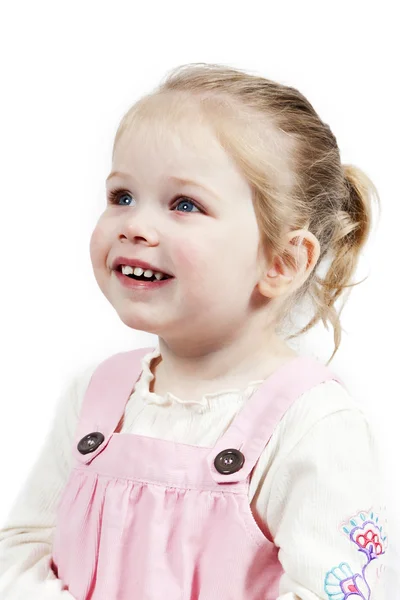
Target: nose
point(140, 225)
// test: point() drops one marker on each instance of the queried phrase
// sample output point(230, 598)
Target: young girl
point(220, 464)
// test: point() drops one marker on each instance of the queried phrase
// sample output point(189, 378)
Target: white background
point(69, 71)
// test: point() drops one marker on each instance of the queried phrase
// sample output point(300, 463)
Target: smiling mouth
point(142, 277)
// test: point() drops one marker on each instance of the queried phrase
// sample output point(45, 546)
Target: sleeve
point(325, 513)
point(26, 537)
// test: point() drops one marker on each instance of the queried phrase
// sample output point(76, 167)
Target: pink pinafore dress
point(143, 518)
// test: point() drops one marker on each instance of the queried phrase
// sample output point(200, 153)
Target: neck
point(210, 367)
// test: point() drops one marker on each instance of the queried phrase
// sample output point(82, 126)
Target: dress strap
point(253, 425)
point(104, 402)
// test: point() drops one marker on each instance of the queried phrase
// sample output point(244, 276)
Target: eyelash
point(113, 196)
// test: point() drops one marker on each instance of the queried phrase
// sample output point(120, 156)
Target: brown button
point(229, 461)
point(90, 442)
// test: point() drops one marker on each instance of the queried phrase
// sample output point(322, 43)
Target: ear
point(281, 278)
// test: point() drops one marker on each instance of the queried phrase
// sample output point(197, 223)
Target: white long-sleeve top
point(317, 479)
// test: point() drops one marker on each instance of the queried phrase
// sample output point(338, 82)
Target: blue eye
point(115, 196)
point(187, 201)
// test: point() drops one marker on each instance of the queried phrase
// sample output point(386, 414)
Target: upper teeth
point(127, 270)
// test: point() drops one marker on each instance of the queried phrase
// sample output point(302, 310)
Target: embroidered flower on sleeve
point(366, 533)
point(341, 583)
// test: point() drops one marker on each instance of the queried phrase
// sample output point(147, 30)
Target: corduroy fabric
point(143, 519)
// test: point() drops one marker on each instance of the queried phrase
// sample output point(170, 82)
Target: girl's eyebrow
point(116, 174)
point(173, 178)
point(183, 181)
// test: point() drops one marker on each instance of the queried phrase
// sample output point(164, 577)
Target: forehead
point(173, 134)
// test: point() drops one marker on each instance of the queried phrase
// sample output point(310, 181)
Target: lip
point(141, 285)
point(136, 262)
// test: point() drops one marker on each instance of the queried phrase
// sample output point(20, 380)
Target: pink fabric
point(146, 519)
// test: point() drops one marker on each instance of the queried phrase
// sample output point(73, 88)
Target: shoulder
point(82, 380)
point(326, 412)
point(84, 375)
point(325, 433)
point(318, 402)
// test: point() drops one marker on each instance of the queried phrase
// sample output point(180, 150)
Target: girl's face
point(204, 233)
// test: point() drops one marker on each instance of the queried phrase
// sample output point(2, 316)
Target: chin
point(136, 322)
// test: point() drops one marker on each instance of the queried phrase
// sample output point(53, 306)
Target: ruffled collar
point(207, 402)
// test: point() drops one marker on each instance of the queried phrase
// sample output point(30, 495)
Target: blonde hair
point(291, 159)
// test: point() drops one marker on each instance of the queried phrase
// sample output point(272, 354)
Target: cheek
point(209, 269)
point(191, 256)
point(98, 246)
point(193, 261)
